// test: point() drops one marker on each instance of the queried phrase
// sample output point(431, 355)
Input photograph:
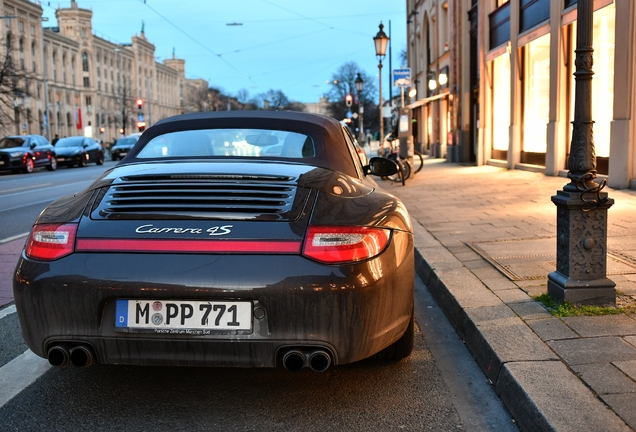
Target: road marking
point(29, 204)
point(20, 373)
point(15, 237)
point(35, 187)
point(7, 311)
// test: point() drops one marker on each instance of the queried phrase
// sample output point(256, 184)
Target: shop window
point(500, 107)
point(536, 100)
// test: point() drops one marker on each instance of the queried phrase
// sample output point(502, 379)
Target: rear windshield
point(126, 141)
point(70, 142)
point(228, 143)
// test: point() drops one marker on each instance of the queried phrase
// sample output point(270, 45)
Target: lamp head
point(381, 40)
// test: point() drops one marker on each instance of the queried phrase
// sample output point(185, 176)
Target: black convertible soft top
point(331, 148)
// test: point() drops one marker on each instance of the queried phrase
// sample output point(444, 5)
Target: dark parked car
point(242, 238)
point(26, 152)
point(123, 146)
point(79, 151)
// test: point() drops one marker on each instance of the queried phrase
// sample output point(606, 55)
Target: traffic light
point(348, 100)
point(141, 126)
point(101, 130)
point(140, 103)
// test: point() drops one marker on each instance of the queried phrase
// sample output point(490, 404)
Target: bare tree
point(126, 109)
point(277, 100)
point(13, 86)
point(342, 84)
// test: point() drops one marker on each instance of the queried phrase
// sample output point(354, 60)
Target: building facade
point(509, 97)
point(76, 83)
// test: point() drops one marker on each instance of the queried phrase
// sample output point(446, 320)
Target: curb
point(536, 386)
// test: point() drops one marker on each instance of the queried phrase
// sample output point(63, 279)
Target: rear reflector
point(49, 242)
point(344, 244)
point(187, 246)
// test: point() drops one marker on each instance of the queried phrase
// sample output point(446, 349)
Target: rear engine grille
point(196, 197)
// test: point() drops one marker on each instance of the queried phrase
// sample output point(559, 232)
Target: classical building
point(495, 82)
point(89, 85)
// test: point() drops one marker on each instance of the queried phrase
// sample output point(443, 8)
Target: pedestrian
point(55, 139)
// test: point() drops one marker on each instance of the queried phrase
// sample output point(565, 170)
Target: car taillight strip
point(344, 244)
point(186, 246)
point(49, 242)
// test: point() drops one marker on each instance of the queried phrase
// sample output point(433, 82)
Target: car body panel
point(123, 146)
point(33, 148)
point(79, 151)
point(230, 230)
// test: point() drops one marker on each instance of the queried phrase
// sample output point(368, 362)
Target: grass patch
point(561, 310)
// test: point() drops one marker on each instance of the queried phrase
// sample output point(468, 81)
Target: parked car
point(26, 152)
point(123, 146)
point(79, 151)
point(212, 244)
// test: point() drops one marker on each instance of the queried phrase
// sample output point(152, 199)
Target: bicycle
point(392, 152)
point(418, 161)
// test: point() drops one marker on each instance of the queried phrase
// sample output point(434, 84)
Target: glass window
point(230, 142)
point(536, 93)
point(500, 104)
point(85, 61)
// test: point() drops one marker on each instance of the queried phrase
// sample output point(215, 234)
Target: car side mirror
point(381, 167)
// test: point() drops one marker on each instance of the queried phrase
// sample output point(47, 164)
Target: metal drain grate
point(533, 259)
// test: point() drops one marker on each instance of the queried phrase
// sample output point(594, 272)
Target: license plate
point(60, 159)
point(182, 317)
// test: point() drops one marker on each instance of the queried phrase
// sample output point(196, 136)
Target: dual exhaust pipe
point(83, 355)
point(63, 354)
point(317, 360)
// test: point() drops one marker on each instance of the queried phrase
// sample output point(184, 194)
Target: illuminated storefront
point(512, 90)
point(501, 107)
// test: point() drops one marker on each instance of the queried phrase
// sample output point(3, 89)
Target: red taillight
point(344, 244)
point(49, 242)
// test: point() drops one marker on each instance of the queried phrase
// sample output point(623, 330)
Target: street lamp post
point(47, 120)
point(380, 40)
point(581, 267)
point(359, 82)
point(119, 95)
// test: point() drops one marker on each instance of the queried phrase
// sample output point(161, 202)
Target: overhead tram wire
point(314, 19)
point(197, 42)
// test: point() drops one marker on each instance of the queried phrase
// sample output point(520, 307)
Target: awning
point(424, 101)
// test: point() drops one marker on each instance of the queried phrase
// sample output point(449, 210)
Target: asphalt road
point(438, 388)
point(23, 196)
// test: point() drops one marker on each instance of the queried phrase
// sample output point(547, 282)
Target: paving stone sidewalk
point(485, 240)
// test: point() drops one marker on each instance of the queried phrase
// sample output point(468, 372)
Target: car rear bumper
point(352, 311)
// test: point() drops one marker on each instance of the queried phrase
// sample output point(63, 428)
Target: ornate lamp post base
point(580, 275)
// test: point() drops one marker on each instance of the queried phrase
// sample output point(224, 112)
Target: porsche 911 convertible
point(243, 238)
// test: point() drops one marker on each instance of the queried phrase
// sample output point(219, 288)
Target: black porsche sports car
point(79, 151)
point(243, 238)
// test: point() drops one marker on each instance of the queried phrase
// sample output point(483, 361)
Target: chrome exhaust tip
point(294, 360)
point(82, 356)
point(319, 361)
point(59, 355)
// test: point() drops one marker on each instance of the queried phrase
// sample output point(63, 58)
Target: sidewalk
point(485, 240)
point(9, 253)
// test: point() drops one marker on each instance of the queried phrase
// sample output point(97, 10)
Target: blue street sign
point(140, 117)
point(402, 77)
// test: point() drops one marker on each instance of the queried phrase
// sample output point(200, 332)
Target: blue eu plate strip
point(121, 313)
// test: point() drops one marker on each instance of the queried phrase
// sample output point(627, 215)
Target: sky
point(291, 45)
